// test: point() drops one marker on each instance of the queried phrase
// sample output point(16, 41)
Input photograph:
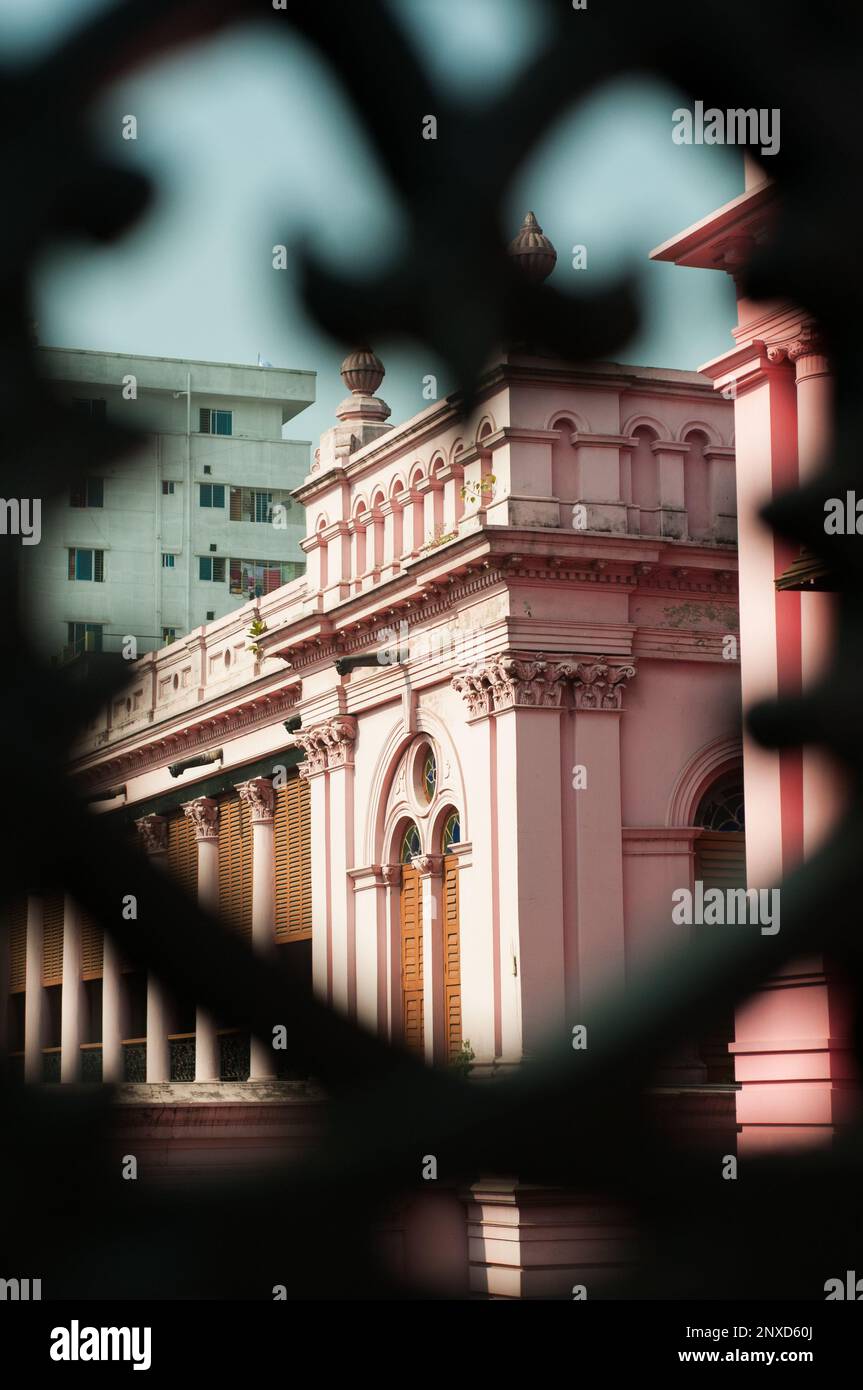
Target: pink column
point(370, 924)
point(72, 999)
point(598, 690)
point(670, 463)
point(330, 767)
point(789, 1048)
point(154, 834)
point(526, 693)
point(260, 798)
point(392, 951)
point(113, 1019)
point(34, 1000)
point(203, 812)
point(430, 868)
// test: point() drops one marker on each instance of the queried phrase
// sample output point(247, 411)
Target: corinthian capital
point(599, 685)
point(203, 812)
point(329, 744)
point(154, 833)
point(510, 682)
point(260, 798)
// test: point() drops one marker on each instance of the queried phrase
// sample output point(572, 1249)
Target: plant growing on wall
point(463, 1060)
point(257, 629)
point(472, 492)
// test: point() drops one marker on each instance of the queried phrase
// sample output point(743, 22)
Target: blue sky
point(252, 144)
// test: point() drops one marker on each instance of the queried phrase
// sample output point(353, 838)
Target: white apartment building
point(199, 521)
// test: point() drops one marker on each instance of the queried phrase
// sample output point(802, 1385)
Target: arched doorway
point(720, 862)
point(413, 1032)
point(451, 836)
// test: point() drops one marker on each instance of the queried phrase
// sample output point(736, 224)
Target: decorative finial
point(532, 251)
point(362, 371)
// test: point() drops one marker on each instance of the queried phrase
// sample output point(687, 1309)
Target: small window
point(212, 494)
point(451, 833)
point(410, 844)
point(216, 421)
point(169, 634)
point(87, 564)
point(211, 613)
point(87, 492)
point(212, 567)
point(167, 560)
point(262, 503)
point(84, 637)
point(167, 488)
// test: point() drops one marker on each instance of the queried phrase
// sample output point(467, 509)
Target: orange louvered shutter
point(183, 854)
point(17, 945)
point(451, 957)
point(52, 940)
point(412, 959)
point(235, 864)
point(292, 836)
point(91, 948)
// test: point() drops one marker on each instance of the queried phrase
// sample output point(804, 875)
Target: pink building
point(458, 771)
point(792, 1050)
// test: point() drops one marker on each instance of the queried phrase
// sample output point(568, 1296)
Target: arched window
point(451, 834)
point(721, 807)
point(411, 845)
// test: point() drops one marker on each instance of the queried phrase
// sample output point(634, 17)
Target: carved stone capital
point(809, 342)
point(599, 685)
point(203, 812)
point(429, 864)
point(260, 798)
point(327, 745)
point(391, 874)
point(154, 833)
point(513, 682)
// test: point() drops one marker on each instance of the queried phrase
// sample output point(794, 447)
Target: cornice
point(197, 735)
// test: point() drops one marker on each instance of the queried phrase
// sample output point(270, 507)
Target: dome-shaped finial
point(532, 251)
point(362, 371)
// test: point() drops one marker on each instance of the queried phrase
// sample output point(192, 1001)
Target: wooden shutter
point(720, 862)
point(52, 940)
point(91, 948)
point(412, 959)
point(17, 945)
point(451, 957)
point(235, 864)
point(720, 859)
point(292, 835)
point(183, 854)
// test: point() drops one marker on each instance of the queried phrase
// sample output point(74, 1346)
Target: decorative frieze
point(203, 812)
point(260, 798)
point(522, 682)
point(327, 745)
point(153, 830)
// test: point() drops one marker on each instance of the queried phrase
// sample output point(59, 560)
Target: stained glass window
point(429, 776)
point(451, 833)
point(410, 844)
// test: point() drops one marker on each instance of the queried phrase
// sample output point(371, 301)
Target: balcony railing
point(135, 1059)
